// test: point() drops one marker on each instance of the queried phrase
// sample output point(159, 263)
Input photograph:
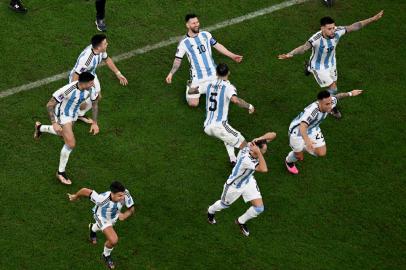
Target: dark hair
point(260, 143)
point(326, 20)
point(116, 187)
point(222, 70)
point(190, 16)
point(86, 77)
point(97, 39)
point(323, 94)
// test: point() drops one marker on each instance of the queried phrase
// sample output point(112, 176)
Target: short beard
point(195, 31)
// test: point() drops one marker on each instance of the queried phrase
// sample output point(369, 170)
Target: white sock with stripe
point(291, 158)
point(249, 214)
point(217, 206)
point(48, 129)
point(107, 251)
point(65, 152)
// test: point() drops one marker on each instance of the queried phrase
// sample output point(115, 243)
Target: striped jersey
point(69, 99)
point(198, 51)
point(244, 168)
point(312, 116)
point(324, 49)
point(218, 95)
point(88, 61)
point(106, 208)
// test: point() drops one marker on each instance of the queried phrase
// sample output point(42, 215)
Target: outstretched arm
point(112, 67)
point(242, 104)
point(299, 50)
point(358, 25)
point(84, 192)
point(175, 67)
point(223, 50)
point(269, 136)
point(352, 93)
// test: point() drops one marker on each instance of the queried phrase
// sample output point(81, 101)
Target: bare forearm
point(301, 49)
point(112, 66)
point(51, 109)
point(262, 167)
point(84, 192)
point(358, 25)
point(223, 50)
point(269, 136)
point(175, 66)
point(242, 103)
point(129, 212)
point(95, 110)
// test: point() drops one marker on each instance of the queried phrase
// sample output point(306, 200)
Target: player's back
point(218, 95)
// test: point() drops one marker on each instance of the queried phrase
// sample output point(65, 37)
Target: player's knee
point(71, 144)
point(322, 153)
point(113, 240)
point(259, 209)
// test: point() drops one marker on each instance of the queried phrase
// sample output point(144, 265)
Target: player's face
point(328, 30)
point(87, 85)
point(193, 25)
point(117, 197)
point(326, 105)
point(103, 45)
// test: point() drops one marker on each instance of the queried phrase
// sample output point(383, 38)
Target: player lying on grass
point(322, 61)
point(197, 46)
point(106, 212)
point(219, 92)
point(241, 182)
point(63, 112)
point(304, 131)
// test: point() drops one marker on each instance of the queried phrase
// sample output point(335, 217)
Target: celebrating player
point(323, 59)
point(305, 132)
point(241, 182)
point(63, 110)
point(106, 211)
point(219, 92)
point(88, 61)
point(197, 46)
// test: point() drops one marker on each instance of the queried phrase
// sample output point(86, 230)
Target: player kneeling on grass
point(106, 211)
point(63, 112)
point(305, 132)
point(241, 182)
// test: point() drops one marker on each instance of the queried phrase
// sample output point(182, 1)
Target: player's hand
point(378, 16)
point(123, 80)
point(237, 58)
point(251, 109)
point(121, 216)
point(255, 149)
point(57, 127)
point(309, 145)
point(285, 56)
point(94, 128)
point(169, 78)
point(72, 197)
point(356, 92)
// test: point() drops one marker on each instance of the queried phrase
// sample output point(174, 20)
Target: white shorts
point(298, 145)
point(198, 83)
point(249, 192)
point(325, 77)
point(62, 119)
point(103, 223)
point(225, 132)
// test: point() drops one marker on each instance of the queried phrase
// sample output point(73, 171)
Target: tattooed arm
point(242, 104)
point(175, 67)
point(95, 113)
point(352, 93)
point(358, 25)
point(51, 113)
point(299, 50)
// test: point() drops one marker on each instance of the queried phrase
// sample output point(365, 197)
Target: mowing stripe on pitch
point(170, 41)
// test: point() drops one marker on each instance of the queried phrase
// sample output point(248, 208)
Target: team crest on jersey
point(60, 97)
point(82, 70)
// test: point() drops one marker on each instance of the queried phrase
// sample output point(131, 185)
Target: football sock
point(231, 152)
point(217, 206)
point(107, 251)
point(95, 228)
point(65, 152)
point(252, 212)
point(291, 158)
point(48, 129)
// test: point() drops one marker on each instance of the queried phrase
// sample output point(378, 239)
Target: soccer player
point(322, 62)
point(63, 110)
point(100, 13)
point(17, 6)
point(304, 131)
point(219, 92)
point(88, 61)
point(106, 211)
point(241, 182)
point(197, 46)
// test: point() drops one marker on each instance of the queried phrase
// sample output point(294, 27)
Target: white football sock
point(252, 212)
point(217, 206)
point(231, 152)
point(291, 158)
point(65, 152)
point(48, 129)
point(107, 251)
point(95, 227)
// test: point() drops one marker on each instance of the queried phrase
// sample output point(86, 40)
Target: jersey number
point(319, 136)
point(213, 104)
point(201, 49)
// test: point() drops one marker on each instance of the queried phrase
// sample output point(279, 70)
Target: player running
point(106, 212)
point(88, 61)
point(322, 61)
point(241, 182)
point(305, 132)
point(63, 110)
point(219, 92)
point(197, 46)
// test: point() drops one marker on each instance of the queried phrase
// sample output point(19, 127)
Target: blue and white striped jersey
point(69, 99)
point(88, 61)
point(198, 51)
point(243, 169)
point(324, 49)
point(106, 208)
point(218, 94)
point(312, 116)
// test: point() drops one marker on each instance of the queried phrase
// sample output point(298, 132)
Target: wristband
point(350, 94)
point(118, 73)
point(250, 107)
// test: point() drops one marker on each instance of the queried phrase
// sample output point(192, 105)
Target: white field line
point(164, 43)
